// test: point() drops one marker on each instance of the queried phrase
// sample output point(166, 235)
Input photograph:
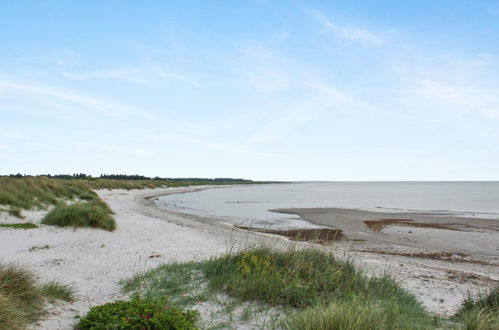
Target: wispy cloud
point(135, 74)
point(105, 107)
point(459, 97)
point(272, 73)
point(348, 33)
point(124, 73)
point(230, 148)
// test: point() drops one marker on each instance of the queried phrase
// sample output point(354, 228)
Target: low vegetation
point(25, 225)
point(94, 214)
point(480, 311)
point(307, 289)
point(22, 299)
point(137, 314)
point(74, 201)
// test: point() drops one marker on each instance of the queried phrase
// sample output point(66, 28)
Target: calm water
point(249, 205)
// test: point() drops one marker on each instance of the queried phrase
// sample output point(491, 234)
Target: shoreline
point(418, 230)
point(94, 261)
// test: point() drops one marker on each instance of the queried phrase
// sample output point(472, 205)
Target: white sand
point(94, 261)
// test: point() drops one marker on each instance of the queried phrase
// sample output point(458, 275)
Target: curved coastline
point(95, 261)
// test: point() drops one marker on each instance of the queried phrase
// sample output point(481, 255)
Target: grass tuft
point(53, 291)
point(25, 225)
point(18, 286)
point(21, 299)
point(95, 214)
point(351, 315)
point(480, 312)
point(11, 317)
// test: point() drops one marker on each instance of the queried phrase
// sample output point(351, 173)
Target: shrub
point(94, 213)
point(137, 314)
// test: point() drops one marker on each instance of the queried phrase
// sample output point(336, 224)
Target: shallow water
point(250, 205)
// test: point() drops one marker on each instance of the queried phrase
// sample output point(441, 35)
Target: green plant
point(480, 312)
point(18, 285)
point(94, 213)
point(488, 299)
point(296, 280)
point(352, 315)
point(25, 225)
point(11, 317)
point(21, 299)
point(15, 212)
point(137, 314)
point(53, 291)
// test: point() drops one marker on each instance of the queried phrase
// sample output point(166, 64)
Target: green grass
point(345, 315)
point(39, 192)
point(21, 298)
point(53, 291)
point(94, 214)
point(76, 204)
point(481, 311)
point(25, 225)
point(310, 287)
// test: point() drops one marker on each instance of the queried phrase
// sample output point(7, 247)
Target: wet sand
point(476, 238)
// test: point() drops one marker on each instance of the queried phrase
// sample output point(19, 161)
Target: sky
point(262, 90)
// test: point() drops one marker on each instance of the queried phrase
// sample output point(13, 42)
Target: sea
point(250, 205)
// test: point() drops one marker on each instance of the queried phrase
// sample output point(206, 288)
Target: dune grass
point(315, 288)
point(39, 192)
point(95, 214)
point(480, 311)
point(22, 299)
point(54, 291)
point(25, 225)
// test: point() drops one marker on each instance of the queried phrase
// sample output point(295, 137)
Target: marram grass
point(94, 214)
point(318, 290)
point(22, 299)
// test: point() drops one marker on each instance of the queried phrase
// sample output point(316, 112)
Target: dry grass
point(22, 299)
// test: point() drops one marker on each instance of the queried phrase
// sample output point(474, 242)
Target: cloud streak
point(133, 74)
point(348, 33)
point(105, 107)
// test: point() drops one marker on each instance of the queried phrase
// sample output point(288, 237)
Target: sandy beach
point(438, 265)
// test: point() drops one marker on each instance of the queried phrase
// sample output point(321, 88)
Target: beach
point(94, 261)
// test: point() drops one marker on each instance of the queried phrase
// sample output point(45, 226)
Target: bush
point(137, 314)
point(94, 213)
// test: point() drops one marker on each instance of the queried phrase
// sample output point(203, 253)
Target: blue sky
point(269, 90)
